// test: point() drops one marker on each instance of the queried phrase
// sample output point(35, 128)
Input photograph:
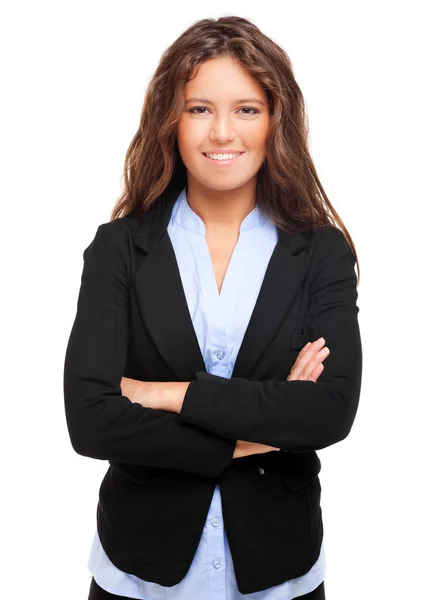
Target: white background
point(73, 81)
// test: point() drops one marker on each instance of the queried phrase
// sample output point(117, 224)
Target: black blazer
point(132, 320)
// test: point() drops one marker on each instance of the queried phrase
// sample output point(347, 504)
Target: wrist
point(172, 394)
point(238, 450)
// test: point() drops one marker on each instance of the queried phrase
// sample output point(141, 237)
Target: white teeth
point(222, 156)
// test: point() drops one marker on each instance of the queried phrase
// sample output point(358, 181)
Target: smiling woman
point(196, 354)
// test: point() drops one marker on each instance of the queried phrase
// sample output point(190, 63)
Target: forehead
point(222, 79)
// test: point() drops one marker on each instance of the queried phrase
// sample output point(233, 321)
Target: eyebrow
point(237, 101)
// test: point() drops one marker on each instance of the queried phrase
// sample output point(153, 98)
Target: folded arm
point(102, 423)
point(297, 415)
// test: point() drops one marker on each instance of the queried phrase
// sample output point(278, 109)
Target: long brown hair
point(288, 188)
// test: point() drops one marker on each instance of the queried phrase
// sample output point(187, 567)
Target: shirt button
point(217, 563)
point(220, 354)
point(215, 522)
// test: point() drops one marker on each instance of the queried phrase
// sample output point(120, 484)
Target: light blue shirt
point(220, 322)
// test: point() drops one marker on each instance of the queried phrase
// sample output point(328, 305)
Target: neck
point(222, 211)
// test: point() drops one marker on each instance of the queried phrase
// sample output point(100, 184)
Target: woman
point(187, 367)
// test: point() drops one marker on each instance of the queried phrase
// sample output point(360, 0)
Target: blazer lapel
point(283, 279)
point(163, 305)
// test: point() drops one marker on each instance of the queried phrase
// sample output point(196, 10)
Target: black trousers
point(97, 593)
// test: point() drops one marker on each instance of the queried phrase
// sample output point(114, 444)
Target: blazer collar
point(163, 305)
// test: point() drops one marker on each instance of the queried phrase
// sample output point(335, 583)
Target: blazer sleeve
point(299, 416)
point(102, 423)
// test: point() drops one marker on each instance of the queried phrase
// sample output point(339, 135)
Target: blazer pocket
point(305, 491)
point(297, 341)
point(295, 481)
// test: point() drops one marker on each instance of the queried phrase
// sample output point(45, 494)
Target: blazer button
point(261, 470)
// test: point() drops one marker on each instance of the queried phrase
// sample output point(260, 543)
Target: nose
point(222, 129)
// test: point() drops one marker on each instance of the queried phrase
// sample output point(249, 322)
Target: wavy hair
point(288, 188)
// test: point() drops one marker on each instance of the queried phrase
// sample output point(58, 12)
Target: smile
point(228, 161)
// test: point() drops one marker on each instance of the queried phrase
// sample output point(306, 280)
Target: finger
point(309, 350)
point(315, 360)
point(304, 357)
point(301, 359)
point(316, 372)
point(304, 348)
point(308, 361)
point(305, 374)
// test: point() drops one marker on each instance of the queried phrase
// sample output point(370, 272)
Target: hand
point(246, 448)
point(139, 392)
point(308, 365)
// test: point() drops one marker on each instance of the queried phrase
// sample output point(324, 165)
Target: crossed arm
point(199, 422)
point(169, 396)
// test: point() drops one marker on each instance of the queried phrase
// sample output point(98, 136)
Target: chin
point(223, 183)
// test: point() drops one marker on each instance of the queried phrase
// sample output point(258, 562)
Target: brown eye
point(250, 108)
point(192, 110)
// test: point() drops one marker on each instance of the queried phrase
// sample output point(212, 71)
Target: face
point(231, 113)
